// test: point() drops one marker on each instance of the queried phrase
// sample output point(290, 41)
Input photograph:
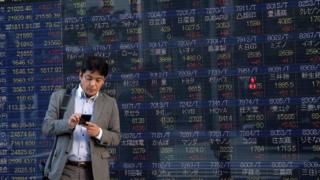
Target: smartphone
point(84, 118)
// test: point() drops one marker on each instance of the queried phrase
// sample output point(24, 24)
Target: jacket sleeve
point(51, 124)
point(111, 135)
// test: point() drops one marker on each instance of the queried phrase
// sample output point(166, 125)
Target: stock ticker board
point(207, 89)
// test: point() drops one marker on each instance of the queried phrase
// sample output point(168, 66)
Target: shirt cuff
point(99, 135)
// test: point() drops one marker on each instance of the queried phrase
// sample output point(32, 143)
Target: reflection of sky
point(117, 5)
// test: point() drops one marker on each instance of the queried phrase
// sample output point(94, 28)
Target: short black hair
point(94, 63)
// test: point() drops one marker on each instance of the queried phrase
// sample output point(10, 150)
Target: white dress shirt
point(80, 146)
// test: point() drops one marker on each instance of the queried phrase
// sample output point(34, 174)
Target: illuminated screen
point(207, 89)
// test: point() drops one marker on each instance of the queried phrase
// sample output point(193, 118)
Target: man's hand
point(93, 130)
point(74, 120)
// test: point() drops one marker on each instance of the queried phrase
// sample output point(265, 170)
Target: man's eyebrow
point(94, 76)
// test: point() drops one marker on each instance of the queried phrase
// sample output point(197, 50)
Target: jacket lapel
point(70, 107)
point(97, 109)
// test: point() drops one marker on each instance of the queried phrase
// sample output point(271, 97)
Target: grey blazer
point(105, 115)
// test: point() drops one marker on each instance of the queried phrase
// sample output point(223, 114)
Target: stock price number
point(17, 80)
point(45, 70)
point(315, 116)
point(22, 62)
point(137, 94)
point(25, 97)
point(194, 91)
point(284, 85)
point(23, 178)
point(19, 17)
point(167, 154)
point(23, 71)
point(166, 93)
point(20, 170)
point(23, 143)
point(22, 152)
point(225, 89)
point(138, 124)
point(50, 88)
point(256, 119)
point(286, 24)
point(316, 84)
point(139, 153)
point(24, 44)
point(22, 160)
point(224, 59)
point(20, 134)
point(25, 53)
point(168, 122)
point(21, 107)
point(287, 148)
point(192, 30)
point(23, 89)
point(24, 35)
point(56, 42)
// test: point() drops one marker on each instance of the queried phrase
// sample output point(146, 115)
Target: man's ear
point(80, 75)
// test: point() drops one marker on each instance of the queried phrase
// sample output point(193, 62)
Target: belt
point(84, 164)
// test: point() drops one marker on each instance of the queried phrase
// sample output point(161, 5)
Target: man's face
point(91, 82)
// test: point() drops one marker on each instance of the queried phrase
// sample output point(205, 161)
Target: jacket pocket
point(105, 155)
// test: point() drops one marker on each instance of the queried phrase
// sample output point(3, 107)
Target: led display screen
point(207, 89)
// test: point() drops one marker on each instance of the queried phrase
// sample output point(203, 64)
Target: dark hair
point(93, 63)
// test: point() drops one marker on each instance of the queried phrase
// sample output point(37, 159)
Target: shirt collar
point(81, 94)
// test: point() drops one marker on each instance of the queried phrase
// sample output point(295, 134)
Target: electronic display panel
point(31, 66)
point(206, 90)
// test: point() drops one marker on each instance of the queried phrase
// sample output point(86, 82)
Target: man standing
point(80, 149)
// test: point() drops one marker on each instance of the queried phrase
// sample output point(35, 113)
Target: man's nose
point(92, 82)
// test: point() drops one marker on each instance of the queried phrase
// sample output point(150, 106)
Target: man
point(81, 150)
